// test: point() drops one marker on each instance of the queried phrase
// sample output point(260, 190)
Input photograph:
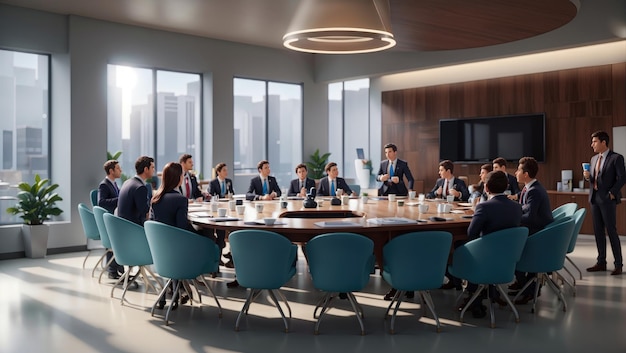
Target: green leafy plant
point(316, 164)
point(364, 194)
point(36, 202)
point(115, 156)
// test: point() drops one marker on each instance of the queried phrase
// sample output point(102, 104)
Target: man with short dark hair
point(447, 184)
point(606, 177)
point(332, 182)
point(392, 172)
point(108, 193)
point(263, 186)
point(189, 188)
point(302, 184)
point(513, 187)
point(134, 200)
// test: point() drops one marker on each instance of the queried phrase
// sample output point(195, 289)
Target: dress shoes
point(617, 271)
point(389, 296)
point(343, 295)
point(515, 286)
point(500, 302)
point(233, 284)
point(229, 264)
point(114, 275)
point(524, 299)
point(410, 294)
point(597, 268)
point(228, 256)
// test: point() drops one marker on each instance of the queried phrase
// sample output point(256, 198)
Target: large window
point(348, 123)
point(140, 125)
point(267, 125)
point(24, 122)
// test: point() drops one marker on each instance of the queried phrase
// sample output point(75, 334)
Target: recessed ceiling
point(423, 25)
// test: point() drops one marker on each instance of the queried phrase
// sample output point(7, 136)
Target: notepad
point(331, 224)
point(391, 220)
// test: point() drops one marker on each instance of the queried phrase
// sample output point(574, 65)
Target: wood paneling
point(576, 102)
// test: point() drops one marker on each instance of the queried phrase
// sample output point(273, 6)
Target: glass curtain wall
point(24, 123)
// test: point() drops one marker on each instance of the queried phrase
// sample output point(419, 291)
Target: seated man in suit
point(134, 200)
point(447, 184)
point(392, 172)
point(189, 188)
point(331, 183)
point(220, 187)
point(107, 198)
point(513, 188)
point(264, 186)
point(301, 185)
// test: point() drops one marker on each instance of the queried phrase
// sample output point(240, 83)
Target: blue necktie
point(332, 188)
point(390, 169)
point(223, 189)
point(265, 187)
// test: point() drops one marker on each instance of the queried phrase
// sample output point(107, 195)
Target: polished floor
point(53, 305)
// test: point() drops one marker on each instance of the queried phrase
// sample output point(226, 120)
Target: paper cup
point(221, 212)
point(411, 195)
point(232, 204)
point(391, 197)
point(450, 198)
point(586, 167)
point(241, 209)
point(423, 208)
point(258, 207)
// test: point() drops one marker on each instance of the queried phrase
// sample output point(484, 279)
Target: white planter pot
point(35, 240)
point(362, 174)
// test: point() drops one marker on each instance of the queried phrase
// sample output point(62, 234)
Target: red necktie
point(596, 172)
point(521, 195)
point(187, 189)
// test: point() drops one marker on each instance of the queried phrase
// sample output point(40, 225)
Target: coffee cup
point(232, 204)
point(241, 209)
point(258, 207)
point(450, 198)
point(411, 195)
point(345, 200)
point(339, 192)
point(391, 197)
point(214, 206)
point(320, 203)
point(400, 202)
point(423, 208)
point(421, 197)
point(221, 212)
point(586, 167)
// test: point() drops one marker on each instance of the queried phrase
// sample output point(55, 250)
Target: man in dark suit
point(513, 187)
point(536, 214)
point(392, 172)
point(606, 177)
point(263, 186)
point(447, 184)
point(189, 188)
point(220, 187)
point(107, 198)
point(301, 185)
point(134, 200)
point(331, 183)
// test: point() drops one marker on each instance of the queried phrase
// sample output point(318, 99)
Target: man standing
point(392, 172)
point(263, 186)
point(301, 185)
point(513, 186)
point(447, 184)
point(189, 188)
point(606, 177)
point(134, 200)
point(107, 198)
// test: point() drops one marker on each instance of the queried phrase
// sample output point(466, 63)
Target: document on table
point(391, 220)
point(332, 224)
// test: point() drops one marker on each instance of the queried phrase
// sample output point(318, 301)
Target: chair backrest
point(128, 241)
point(89, 222)
point(263, 259)
point(98, 213)
point(567, 209)
point(94, 197)
point(417, 260)
point(579, 218)
point(180, 254)
point(545, 250)
point(340, 262)
point(492, 258)
point(356, 188)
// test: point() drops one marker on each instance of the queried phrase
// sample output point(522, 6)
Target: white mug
point(221, 212)
point(450, 198)
point(232, 204)
point(421, 197)
point(259, 207)
point(345, 200)
point(423, 208)
point(391, 197)
point(411, 195)
point(241, 209)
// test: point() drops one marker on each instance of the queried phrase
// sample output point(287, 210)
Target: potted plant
point(36, 203)
point(364, 197)
point(316, 164)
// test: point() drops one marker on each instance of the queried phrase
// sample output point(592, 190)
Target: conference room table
point(378, 219)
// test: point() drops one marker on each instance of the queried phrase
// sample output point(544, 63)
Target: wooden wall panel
point(576, 103)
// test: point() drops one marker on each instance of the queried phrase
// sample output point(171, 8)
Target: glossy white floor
point(53, 305)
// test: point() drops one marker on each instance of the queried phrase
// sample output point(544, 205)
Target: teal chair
point(416, 262)
point(356, 188)
point(98, 213)
point(566, 210)
point(181, 255)
point(340, 263)
point(545, 252)
point(90, 228)
point(490, 260)
point(263, 261)
point(579, 218)
point(131, 249)
point(94, 197)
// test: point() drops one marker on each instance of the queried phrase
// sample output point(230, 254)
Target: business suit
point(458, 185)
point(401, 170)
point(193, 187)
point(133, 203)
point(107, 195)
point(255, 190)
point(215, 187)
point(294, 186)
point(172, 210)
point(536, 210)
point(513, 184)
point(340, 183)
point(611, 178)
point(494, 214)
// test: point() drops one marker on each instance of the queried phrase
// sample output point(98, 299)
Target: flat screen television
point(480, 140)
